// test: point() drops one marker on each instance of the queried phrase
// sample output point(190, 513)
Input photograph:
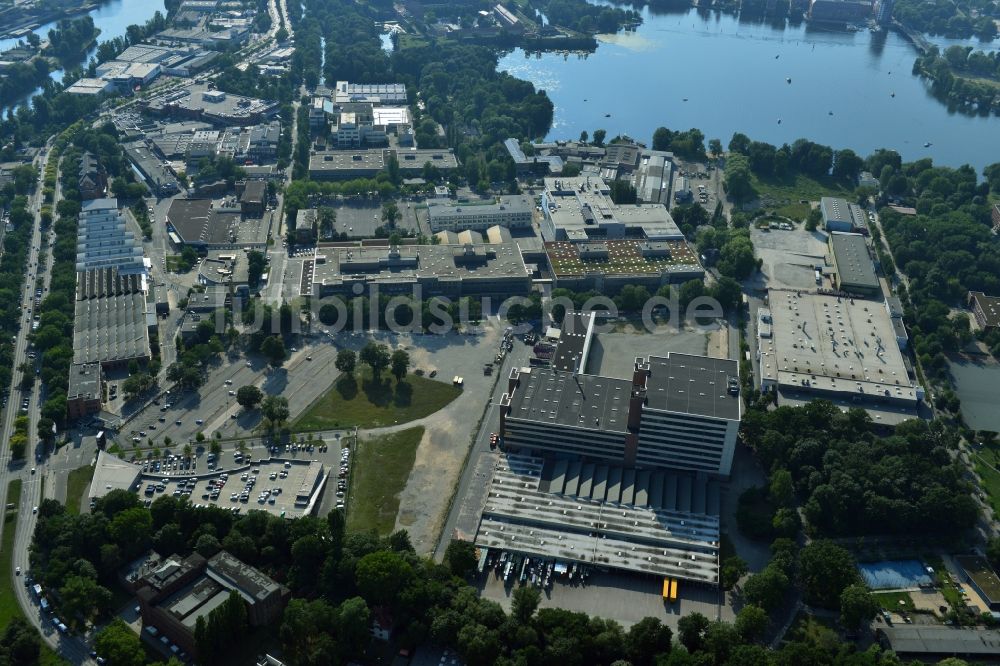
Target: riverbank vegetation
point(963, 77)
point(959, 20)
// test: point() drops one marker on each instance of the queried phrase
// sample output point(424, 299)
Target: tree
point(381, 575)
point(275, 409)
point(390, 214)
point(599, 135)
point(767, 588)
point(584, 136)
point(647, 639)
point(661, 138)
point(81, 597)
point(400, 364)
point(524, 603)
point(256, 262)
point(781, 490)
point(737, 181)
point(346, 361)
point(751, 623)
point(825, 569)
point(354, 621)
point(691, 631)
point(215, 447)
point(857, 606)
point(327, 220)
point(274, 348)
point(733, 568)
point(460, 556)
point(249, 396)
point(376, 357)
point(119, 645)
point(715, 147)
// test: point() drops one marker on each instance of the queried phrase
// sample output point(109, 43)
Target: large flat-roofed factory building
point(622, 474)
point(838, 348)
point(678, 411)
point(855, 271)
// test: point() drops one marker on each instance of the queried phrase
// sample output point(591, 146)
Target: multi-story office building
point(678, 412)
point(509, 212)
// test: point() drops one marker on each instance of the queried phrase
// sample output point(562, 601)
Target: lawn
point(381, 467)
point(8, 602)
point(362, 402)
point(76, 487)
point(890, 601)
point(990, 478)
point(784, 195)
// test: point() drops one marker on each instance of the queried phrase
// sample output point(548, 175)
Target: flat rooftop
point(623, 257)
point(112, 473)
point(214, 104)
point(511, 205)
point(84, 381)
point(546, 395)
point(939, 640)
point(854, 264)
point(983, 575)
point(347, 161)
point(990, 305)
point(695, 385)
point(539, 508)
point(834, 345)
point(195, 221)
point(420, 261)
point(581, 205)
point(573, 348)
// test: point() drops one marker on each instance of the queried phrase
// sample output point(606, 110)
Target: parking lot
point(359, 220)
point(282, 486)
point(789, 258)
point(626, 598)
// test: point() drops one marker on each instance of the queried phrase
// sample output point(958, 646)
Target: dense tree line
point(341, 581)
point(357, 313)
point(689, 144)
point(945, 250)
point(852, 481)
point(958, 77)
point(588, 18)
point(960, 19)
point(134, 34)
point(71, 38)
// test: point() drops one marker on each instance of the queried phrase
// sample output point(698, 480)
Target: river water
point(113, 18)
point(848, 89)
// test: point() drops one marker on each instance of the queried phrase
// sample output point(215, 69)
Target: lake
point(113, 18)
point(734, 76)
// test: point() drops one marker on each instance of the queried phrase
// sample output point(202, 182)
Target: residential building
point(512, 212)
point(175, 595)
point(93, 179)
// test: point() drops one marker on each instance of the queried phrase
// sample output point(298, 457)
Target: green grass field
point(381, 467)
point(788, 193)
point(890, 601)
point(990, 478)
point(361, 402)
point(76, 487)
point(8, 602)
